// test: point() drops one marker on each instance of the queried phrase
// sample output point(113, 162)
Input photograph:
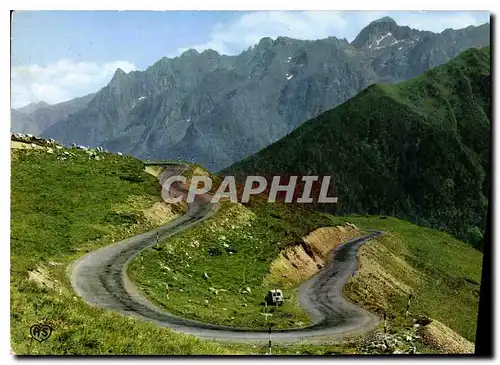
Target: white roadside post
point(270, 351)
point(408, 306)
point(265, 314)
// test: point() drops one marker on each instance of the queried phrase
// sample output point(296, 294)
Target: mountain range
point(34, 118)
point(217, 109)
point(418, 149)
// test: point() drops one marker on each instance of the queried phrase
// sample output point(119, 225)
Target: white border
point(252, 5)
point(187, 5)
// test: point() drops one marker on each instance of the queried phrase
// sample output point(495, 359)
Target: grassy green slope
point(61, 209)
point(442, 272)
point(417, 150)
point(235, 248)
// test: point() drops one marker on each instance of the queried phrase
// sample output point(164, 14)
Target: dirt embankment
point(307, 256)
point(442, 338)
point(382, 276)
point(384, 281)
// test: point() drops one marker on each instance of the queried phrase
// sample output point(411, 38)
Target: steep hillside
point(215, 109)
point(442, 274)
point(418, 149)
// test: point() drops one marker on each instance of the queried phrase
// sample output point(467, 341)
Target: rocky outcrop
point(49, 145)
point(390, 343)
point(29, 138)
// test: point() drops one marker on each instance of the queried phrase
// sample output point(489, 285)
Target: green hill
point(65, 203)
point(418, 150)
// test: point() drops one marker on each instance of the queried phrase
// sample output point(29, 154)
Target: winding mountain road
point(100, 279)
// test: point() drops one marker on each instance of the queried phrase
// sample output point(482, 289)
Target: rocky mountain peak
point(118, 81)
point(385, 19)
point(265, 43)
point(376, 32)
point(190, 52)
point(119, 72)
point(119, 75)
point(210, 52)
point(282, 41)
point(31, 107)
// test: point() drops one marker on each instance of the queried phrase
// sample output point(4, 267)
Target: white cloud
point(61, 81)
point(247, 29)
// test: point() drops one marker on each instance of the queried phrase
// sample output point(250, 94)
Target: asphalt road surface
point(100, 279)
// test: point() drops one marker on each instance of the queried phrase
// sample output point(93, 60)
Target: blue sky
point(141, 37)
point(58, 55)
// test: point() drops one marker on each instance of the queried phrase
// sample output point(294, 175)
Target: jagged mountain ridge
point(34, 118)
point(216, 109)
point(31, 107)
